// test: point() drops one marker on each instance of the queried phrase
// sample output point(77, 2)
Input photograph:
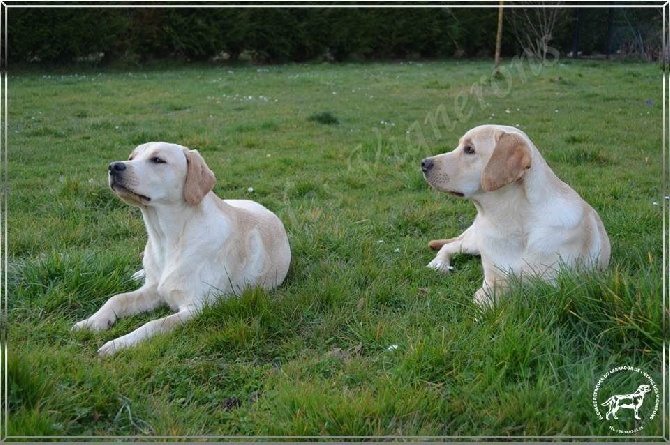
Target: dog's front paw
point(93, 324)
point(139, 276)
point(109, 348)
point(440, 265)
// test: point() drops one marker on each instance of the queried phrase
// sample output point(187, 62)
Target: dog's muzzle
point(117, 183)
point(437, 179)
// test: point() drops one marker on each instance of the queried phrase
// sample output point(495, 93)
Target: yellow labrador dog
point(199, 246)
point(528, 221)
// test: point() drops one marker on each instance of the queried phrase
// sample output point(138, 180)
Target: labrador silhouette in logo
point(614, 383)
point(628, 401)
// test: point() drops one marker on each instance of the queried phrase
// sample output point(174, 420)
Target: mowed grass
point(361, 339)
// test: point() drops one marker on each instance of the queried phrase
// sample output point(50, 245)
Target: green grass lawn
point(361, 339)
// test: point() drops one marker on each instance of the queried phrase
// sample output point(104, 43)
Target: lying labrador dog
point(528, 221)
point(199, 247)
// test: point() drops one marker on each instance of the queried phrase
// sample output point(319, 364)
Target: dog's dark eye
point(469, 150)
point(157, 160)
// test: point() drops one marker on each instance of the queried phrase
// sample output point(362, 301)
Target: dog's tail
point(437, 244)
point(608, 402)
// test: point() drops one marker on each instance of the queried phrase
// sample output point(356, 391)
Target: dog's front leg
point(143, 299)
point(485, 296)
point(464, 243)
point(494, 286)
point(147, 330)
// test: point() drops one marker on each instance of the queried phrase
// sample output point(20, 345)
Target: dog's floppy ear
point(508, 163)
point(199, 178)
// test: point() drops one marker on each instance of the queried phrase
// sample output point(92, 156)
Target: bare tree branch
point(533, 26)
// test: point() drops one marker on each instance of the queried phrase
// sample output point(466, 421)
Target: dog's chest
point(183, 286)
point(184, 276)
point(502, 247)
point(503, 237)
point(503, 252)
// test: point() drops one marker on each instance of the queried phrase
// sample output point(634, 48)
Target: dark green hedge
point(270, 35)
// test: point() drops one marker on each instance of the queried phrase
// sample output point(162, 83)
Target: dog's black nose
point(116, 167)
point(426, 165)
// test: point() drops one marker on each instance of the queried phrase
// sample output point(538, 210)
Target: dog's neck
point(166, 224)
point(539, 178)
point(502, 204)
point(532, 192)
point(544, 182)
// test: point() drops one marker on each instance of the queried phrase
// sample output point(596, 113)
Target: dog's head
point(643, 389)
point(487, 158)
point(160, 173)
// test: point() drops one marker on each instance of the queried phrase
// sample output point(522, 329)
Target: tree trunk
point(496, 63)
point(610, 32)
